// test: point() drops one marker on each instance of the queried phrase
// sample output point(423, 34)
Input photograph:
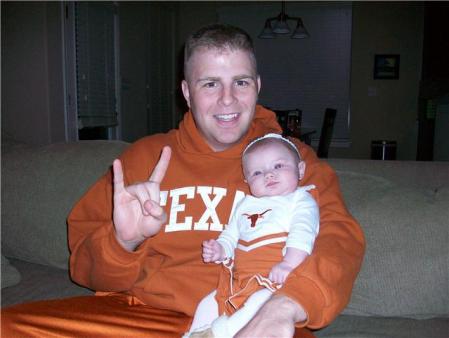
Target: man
point(136, 236)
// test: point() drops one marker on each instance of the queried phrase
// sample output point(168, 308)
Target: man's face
point(221, 90)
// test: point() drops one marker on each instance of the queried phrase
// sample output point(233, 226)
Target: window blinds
point(95, 64)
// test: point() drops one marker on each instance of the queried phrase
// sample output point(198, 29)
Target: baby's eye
point(278, 166)
point(257, 173)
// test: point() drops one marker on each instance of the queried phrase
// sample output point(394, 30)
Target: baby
point(272, 231)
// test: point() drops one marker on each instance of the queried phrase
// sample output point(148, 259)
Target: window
point(91, 70)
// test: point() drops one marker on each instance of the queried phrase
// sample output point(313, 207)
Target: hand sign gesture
point(137, 213)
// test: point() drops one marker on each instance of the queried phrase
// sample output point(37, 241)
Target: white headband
point(272, 135)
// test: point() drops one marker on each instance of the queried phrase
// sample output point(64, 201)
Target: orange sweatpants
point(114, 315)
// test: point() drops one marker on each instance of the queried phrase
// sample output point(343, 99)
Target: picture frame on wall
point(386, 66)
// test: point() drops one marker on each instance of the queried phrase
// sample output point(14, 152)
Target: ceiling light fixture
point(278, 26)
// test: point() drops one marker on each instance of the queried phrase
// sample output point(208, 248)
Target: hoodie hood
point(191, 141)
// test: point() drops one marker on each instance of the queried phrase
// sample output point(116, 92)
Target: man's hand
point(137, 214)
point(276, 318)
point(212, 251)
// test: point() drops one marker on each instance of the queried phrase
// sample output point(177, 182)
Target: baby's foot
point(207, 333)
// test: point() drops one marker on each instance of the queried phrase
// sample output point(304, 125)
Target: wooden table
point(304, 134)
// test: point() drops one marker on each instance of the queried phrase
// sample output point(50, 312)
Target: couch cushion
point(10, 275)
point(405, 270)
point(40, 282)
point(380, 327)
point(40, 185)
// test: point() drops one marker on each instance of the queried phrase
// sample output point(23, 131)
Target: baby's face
point(271, 169)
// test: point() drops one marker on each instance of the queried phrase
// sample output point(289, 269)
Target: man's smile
point(227, 117)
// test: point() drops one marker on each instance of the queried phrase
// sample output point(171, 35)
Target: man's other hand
point(276, 318)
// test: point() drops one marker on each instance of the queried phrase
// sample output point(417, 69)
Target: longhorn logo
point(255, 217)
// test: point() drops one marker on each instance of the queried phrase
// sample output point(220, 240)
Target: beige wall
point(32, 77)
point(384, 109)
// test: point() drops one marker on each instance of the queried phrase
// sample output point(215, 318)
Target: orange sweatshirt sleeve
point(97, 260)
point(322, 284)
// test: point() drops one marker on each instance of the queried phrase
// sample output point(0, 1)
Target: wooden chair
point(326, 132)
point(290, 121)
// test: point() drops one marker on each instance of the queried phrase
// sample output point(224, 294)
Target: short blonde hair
point(221, 37)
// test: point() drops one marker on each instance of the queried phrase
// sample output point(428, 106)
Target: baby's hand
point(212, 251)
point(279, 272)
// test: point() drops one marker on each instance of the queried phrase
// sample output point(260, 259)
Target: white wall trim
point(69, 69)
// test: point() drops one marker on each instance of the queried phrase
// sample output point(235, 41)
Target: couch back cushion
point(10, 275)
point(40, 185)
point(403, 208)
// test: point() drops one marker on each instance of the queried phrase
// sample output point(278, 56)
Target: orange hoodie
point(198, 193)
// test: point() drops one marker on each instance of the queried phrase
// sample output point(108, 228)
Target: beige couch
point(403, 207)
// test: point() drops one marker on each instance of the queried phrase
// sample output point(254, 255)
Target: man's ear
point(301, 169)
point(185, 91)
point(259, 83)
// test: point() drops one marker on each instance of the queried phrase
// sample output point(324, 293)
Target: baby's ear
point(301, 169)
